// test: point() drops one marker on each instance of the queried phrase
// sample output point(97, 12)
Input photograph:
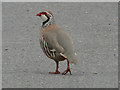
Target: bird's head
point(47, 18)
point(45, 15)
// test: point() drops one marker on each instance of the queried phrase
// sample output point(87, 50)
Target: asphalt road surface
point(93, 28)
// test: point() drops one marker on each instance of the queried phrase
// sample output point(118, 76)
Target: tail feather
point(72, 58)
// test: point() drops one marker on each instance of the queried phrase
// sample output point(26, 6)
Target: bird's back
point(66, 42)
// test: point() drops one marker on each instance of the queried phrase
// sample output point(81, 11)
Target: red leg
point(68, 69)
point(57, 71)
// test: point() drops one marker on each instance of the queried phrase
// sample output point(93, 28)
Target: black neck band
point(46, 20)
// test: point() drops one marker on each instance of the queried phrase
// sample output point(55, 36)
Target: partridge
point(55, 42)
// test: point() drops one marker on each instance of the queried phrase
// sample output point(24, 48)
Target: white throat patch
point(43, 17)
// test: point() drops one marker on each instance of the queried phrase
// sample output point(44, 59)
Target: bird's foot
point(66, 71)
point(57, 72)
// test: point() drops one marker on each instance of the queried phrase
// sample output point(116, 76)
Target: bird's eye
point(44, 13)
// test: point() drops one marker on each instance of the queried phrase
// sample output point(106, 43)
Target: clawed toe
point(66, 71)
point(54, 72)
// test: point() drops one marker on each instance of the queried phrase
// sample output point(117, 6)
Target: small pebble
point(99, 64)
point(32, 77)
point(66, 26)
point(86, 12)
point(109, 29)
point(27, 29)
point(95, 73)
point(117, 55)
point(80, 41)
point(27, 10)
point(114, 20)
point(33, 27)
point(23, 61)
point(23, 49)
point(105, 35)
point(6, 49)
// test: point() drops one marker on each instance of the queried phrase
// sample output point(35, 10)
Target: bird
point(55, 42)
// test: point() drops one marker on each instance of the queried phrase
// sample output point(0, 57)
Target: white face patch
point(43, 17)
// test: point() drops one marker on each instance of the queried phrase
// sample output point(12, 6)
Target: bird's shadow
point(68, 74)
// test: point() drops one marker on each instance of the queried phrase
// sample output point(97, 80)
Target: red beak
point(39, 14)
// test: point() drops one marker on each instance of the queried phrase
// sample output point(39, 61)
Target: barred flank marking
point(53, 54)
point(46, 49)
